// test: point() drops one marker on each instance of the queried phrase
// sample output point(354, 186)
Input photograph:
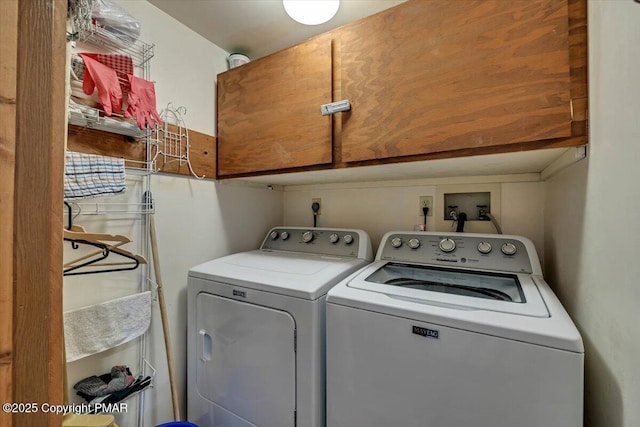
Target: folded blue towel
point(90, 175)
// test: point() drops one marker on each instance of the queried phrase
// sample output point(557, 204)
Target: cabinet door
point(439, 75)
point(269, 111)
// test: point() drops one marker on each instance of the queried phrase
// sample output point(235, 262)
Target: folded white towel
point(90, 175)
point(93, 329)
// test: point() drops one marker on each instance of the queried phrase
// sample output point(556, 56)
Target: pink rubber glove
point(106, 80)
point(122, 65)
point(142, 102)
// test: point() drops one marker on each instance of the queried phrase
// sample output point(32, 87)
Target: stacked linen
point(89, 175)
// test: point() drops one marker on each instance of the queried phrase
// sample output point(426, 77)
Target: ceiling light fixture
point(311, 12)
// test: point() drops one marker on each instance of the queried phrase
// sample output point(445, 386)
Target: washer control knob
point(414, 243)
point(307, 236)
point(284, 235)
point(348, 239)
point(273, 235)
point(334, 238)
point(396, 242)
point(484, 247)
point(509, 249)
point(447, 245)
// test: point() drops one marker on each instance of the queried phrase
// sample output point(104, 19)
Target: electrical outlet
point(318, 201)
point(426, 202)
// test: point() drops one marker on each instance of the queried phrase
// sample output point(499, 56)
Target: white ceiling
point(257, 28)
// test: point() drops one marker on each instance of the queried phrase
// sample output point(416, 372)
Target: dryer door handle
point(205, 346)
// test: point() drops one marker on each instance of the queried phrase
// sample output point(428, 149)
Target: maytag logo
point(428, 333)
point(242, 294)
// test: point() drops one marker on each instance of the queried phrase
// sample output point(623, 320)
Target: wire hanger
point(133, 263)
point(78, 235)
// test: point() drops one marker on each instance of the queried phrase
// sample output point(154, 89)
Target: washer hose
point(462, 217)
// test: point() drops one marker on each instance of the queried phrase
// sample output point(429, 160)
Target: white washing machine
point(256, 328)
point(451, 330)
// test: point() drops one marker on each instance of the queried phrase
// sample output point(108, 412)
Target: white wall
point(379, 207)
point(591, 222)
point(195, 220)
point(374, 208)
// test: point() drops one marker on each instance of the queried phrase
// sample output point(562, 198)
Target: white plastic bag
point(116, 20)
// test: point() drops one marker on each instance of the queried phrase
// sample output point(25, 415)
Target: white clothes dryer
point(451, 330)
point(256, 328)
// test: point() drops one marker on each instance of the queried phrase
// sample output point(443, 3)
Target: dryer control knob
point(414, 243)
point(447, 245)
point(484, 247)
point(509, 249)
point(284, 235)
point(348, 239)
point(396, 242)
point(334, 238)
point(307, 236)
point(273, 235)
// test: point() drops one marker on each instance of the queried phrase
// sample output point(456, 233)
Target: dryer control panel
point(323, 241)
point(486, 252)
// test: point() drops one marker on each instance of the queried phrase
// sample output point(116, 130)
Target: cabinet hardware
point(335, 107)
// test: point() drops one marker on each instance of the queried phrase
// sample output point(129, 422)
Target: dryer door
point(246, 360)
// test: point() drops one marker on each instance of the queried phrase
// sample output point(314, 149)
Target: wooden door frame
point(8, 63)
point(32, 145)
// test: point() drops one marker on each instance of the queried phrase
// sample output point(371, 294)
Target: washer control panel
point(474, 251)
point(339, 242)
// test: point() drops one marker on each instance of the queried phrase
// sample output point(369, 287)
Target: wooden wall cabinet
point(433, 75)
point(426, 79)
point(269, 111)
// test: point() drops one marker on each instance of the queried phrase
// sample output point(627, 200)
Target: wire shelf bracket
point(140, 51)
point(173, 146)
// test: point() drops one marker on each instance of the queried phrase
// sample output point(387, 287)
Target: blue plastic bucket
point(178, 424)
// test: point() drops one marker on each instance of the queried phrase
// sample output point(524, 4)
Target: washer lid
point(455, 288)
point(300, 275)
